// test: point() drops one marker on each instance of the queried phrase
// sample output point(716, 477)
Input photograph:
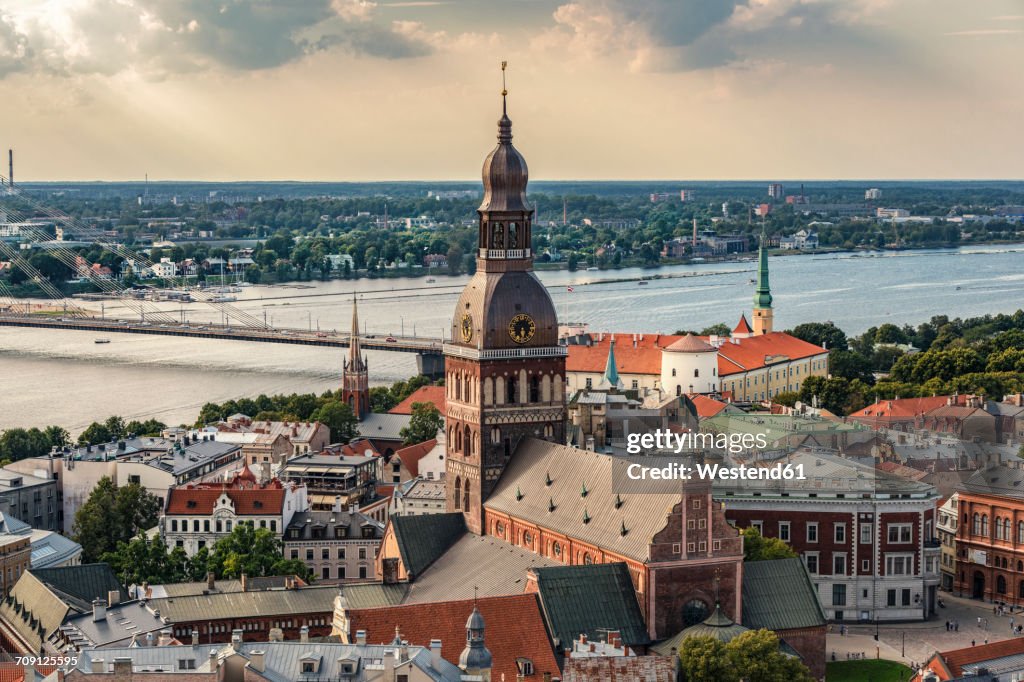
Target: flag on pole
point(569, 289)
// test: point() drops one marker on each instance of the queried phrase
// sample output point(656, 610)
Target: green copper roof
point(717, 626)
point(763, 293)
point(766, 606)
point(611, 372)
point(423, 539)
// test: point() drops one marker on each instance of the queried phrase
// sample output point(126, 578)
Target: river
point(63, 377)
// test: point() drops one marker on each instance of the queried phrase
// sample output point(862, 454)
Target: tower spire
point(763, 293)
point(504, 90)
point(610, 379)
point(355, 375)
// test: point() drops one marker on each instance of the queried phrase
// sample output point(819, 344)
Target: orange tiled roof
point(412, 455)
point(200, 499)
point(958, 658)
point(707, 407)
point(742, 327)
point(902, 408)
point(423, 394)
point(901, 470)
point(642, 355)
point(513, 627)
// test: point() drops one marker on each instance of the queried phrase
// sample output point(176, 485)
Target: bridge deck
point(401, 344)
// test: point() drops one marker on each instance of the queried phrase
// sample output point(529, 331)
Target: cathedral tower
point(504, 368)
point(355, 376)
point(763, 294)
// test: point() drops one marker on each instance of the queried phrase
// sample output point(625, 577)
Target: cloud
point(685, 35)
point(985, 32)
point(159, 37)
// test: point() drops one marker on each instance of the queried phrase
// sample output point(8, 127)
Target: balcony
point(932, 543)
point(507, 254)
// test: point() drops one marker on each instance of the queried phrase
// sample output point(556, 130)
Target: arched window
point(458, 387)
point(465, 497)
point(1020, 590)
point(513, 236)
point(679, 390)
point(512, 396)
point(695, 611)
point(976, 527)
point(1020, 532)
point(497, 238)
point(673, 371)
point(458, 439)
point(549, 431)
point(535, 389)
point(1006, 529)
point(468, 440)
point(495, 435)
point(696, 372)
point(587, 559)
point(984, 524)
point(998, 528)
point(466, 389)
point(1001, 584)
point(458, 492)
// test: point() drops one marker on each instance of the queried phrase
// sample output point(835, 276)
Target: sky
point(353, 90)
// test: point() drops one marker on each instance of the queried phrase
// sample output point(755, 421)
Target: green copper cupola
point(763, 293)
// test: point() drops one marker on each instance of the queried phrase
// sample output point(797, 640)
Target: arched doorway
point(978, 585)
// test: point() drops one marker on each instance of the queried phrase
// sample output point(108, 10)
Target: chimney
point(361, 637)
point(113, 598)
point(256, 660)
point(123, 666)
point(165, 637)
point(435, 654)
point(210, 580)
point(149, 639)
point(337, 504)
point(236, 639)
point(276, 635)
point(195, 637)
point(99, 610)
point(266, 474)
point(213, 660)
point(97, 665)
point(304, 634)
point(244, 579)
point(547, 677)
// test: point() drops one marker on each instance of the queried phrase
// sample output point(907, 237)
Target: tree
point(720, 329)
point(339, 418)
point(787, 398)
point(112, 515)
point(759, 548)
point(850, 365)
point(423, 425)
point(821, 334)
point(753, 656)
point(253, 551)
point(20, 443)
point(147, 559)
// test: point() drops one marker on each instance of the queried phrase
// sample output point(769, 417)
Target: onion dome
point(505, 173)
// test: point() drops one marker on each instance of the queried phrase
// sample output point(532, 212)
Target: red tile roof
point(901, 470)
point(707, 407)
point(423, 394)
point(690, 344)
point(742, 327)
point(513, 628)
point(200, 499)
point(412, 455)
point(900, 409)
point(958, 658)
point(642, 354)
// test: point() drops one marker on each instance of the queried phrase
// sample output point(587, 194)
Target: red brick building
point(866, 537)
point(990, 536)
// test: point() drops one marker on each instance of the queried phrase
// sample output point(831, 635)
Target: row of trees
point(982, 355)
point(20, 443)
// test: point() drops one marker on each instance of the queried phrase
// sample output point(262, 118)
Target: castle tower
point(763, 294)
point(504, 368)
point(355, 376)
point(475, 659)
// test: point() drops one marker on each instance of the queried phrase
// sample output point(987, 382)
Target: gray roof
point(8, 476)
point(161, 453)
point(227, 585)
point(12, 525)
point(304, 522)
point(998, 480)
point(422, 539)
point(767, 606)
point(122, 622)
point(591, 600)
point(52, 549)
point(185, 609)
point(282, 660)
point(498, 569)
point(374, 595)
point(570, 470)
point(385, 426)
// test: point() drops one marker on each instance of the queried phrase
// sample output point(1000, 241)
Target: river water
point(63, 377)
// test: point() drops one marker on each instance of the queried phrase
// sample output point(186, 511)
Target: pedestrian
point(956, 626)
point(972, 642)
point(979, 621)
point(986, 640)
point(947, 626)
point(842, 630)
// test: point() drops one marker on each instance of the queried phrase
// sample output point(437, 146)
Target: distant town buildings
point(873, 194)
point(776, 191)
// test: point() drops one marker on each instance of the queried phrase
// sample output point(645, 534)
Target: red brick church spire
point(355, 377)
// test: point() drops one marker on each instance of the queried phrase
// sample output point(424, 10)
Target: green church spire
point(611, 379)
point(763, 293)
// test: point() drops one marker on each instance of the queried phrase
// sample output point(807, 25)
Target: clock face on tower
point(522, 328)
point(467, 327)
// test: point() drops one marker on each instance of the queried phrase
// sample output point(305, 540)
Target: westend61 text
point(680, 472)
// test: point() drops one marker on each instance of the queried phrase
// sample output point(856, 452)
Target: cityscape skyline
point(599, 89)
